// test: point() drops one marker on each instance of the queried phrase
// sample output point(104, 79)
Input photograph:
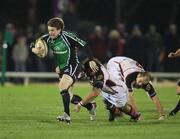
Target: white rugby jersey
point(123, 66)
point(120, 86)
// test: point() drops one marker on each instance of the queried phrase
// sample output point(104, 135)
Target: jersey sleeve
point(150, 89)
point(75, 41)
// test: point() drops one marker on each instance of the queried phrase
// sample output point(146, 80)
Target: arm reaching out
point(173, 55)
point(88, 99)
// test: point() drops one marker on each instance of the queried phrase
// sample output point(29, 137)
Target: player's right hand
point(93, 66)
point(171, 55)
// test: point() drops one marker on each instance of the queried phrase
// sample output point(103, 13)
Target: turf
point(30, 113)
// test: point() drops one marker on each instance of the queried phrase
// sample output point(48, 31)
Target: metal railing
point(31, 75)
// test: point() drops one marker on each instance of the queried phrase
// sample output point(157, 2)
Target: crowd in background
point(150, 48)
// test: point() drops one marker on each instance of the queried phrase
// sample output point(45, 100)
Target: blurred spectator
point(122, 30)
point(136, 46)
point(123, 36)
point(154, 49)
point(30, 34)
point(41, 30)
point(98, 44)
point(172, 43)
point(70, 17)
point(30, 37)
point(41, 64)
point(116, 43)
point(20, 54)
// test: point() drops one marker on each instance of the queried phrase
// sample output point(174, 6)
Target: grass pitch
point(30, 113)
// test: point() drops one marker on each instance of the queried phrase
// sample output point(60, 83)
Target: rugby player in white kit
point(113, 90)
point(134, 76)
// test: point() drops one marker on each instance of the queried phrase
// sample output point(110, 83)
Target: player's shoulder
point(73, 38)
point(46, 37)
point(69, 34)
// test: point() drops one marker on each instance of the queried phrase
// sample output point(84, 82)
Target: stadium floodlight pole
point(4, 63)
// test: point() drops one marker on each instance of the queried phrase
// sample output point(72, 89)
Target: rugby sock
point(128, 109)
point(177, 108)
point(112, 114)
point(88, 106)
point(66, 101)
point(76, 99)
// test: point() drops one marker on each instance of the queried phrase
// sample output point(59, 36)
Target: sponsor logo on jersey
point(60, 52)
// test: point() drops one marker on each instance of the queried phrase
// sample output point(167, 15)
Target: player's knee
point(65, 82)
point(63, 92)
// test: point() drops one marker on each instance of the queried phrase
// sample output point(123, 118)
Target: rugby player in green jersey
point(177, 107)
point(65, 47)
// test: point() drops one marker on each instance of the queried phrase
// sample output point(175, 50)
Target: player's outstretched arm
point(88, 99)
point(173, 55)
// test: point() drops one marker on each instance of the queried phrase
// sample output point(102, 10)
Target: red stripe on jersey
point(120, 68)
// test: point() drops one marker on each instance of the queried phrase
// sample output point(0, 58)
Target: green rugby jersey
point(65, 48)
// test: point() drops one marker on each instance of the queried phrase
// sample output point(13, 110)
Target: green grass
point(30, 112)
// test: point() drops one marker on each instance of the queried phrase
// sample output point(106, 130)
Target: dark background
point(142, 12)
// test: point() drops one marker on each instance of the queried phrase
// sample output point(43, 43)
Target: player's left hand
point(57, 70)
point(32, 45)
point(93, 66)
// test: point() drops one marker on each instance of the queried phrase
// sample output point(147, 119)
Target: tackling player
point(113, 90)
point(65, 47)
point(177, 108)
point(134, 76)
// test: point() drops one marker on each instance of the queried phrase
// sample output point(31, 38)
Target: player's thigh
point(65, 82)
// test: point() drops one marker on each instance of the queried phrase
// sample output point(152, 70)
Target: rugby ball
point(42, 48)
